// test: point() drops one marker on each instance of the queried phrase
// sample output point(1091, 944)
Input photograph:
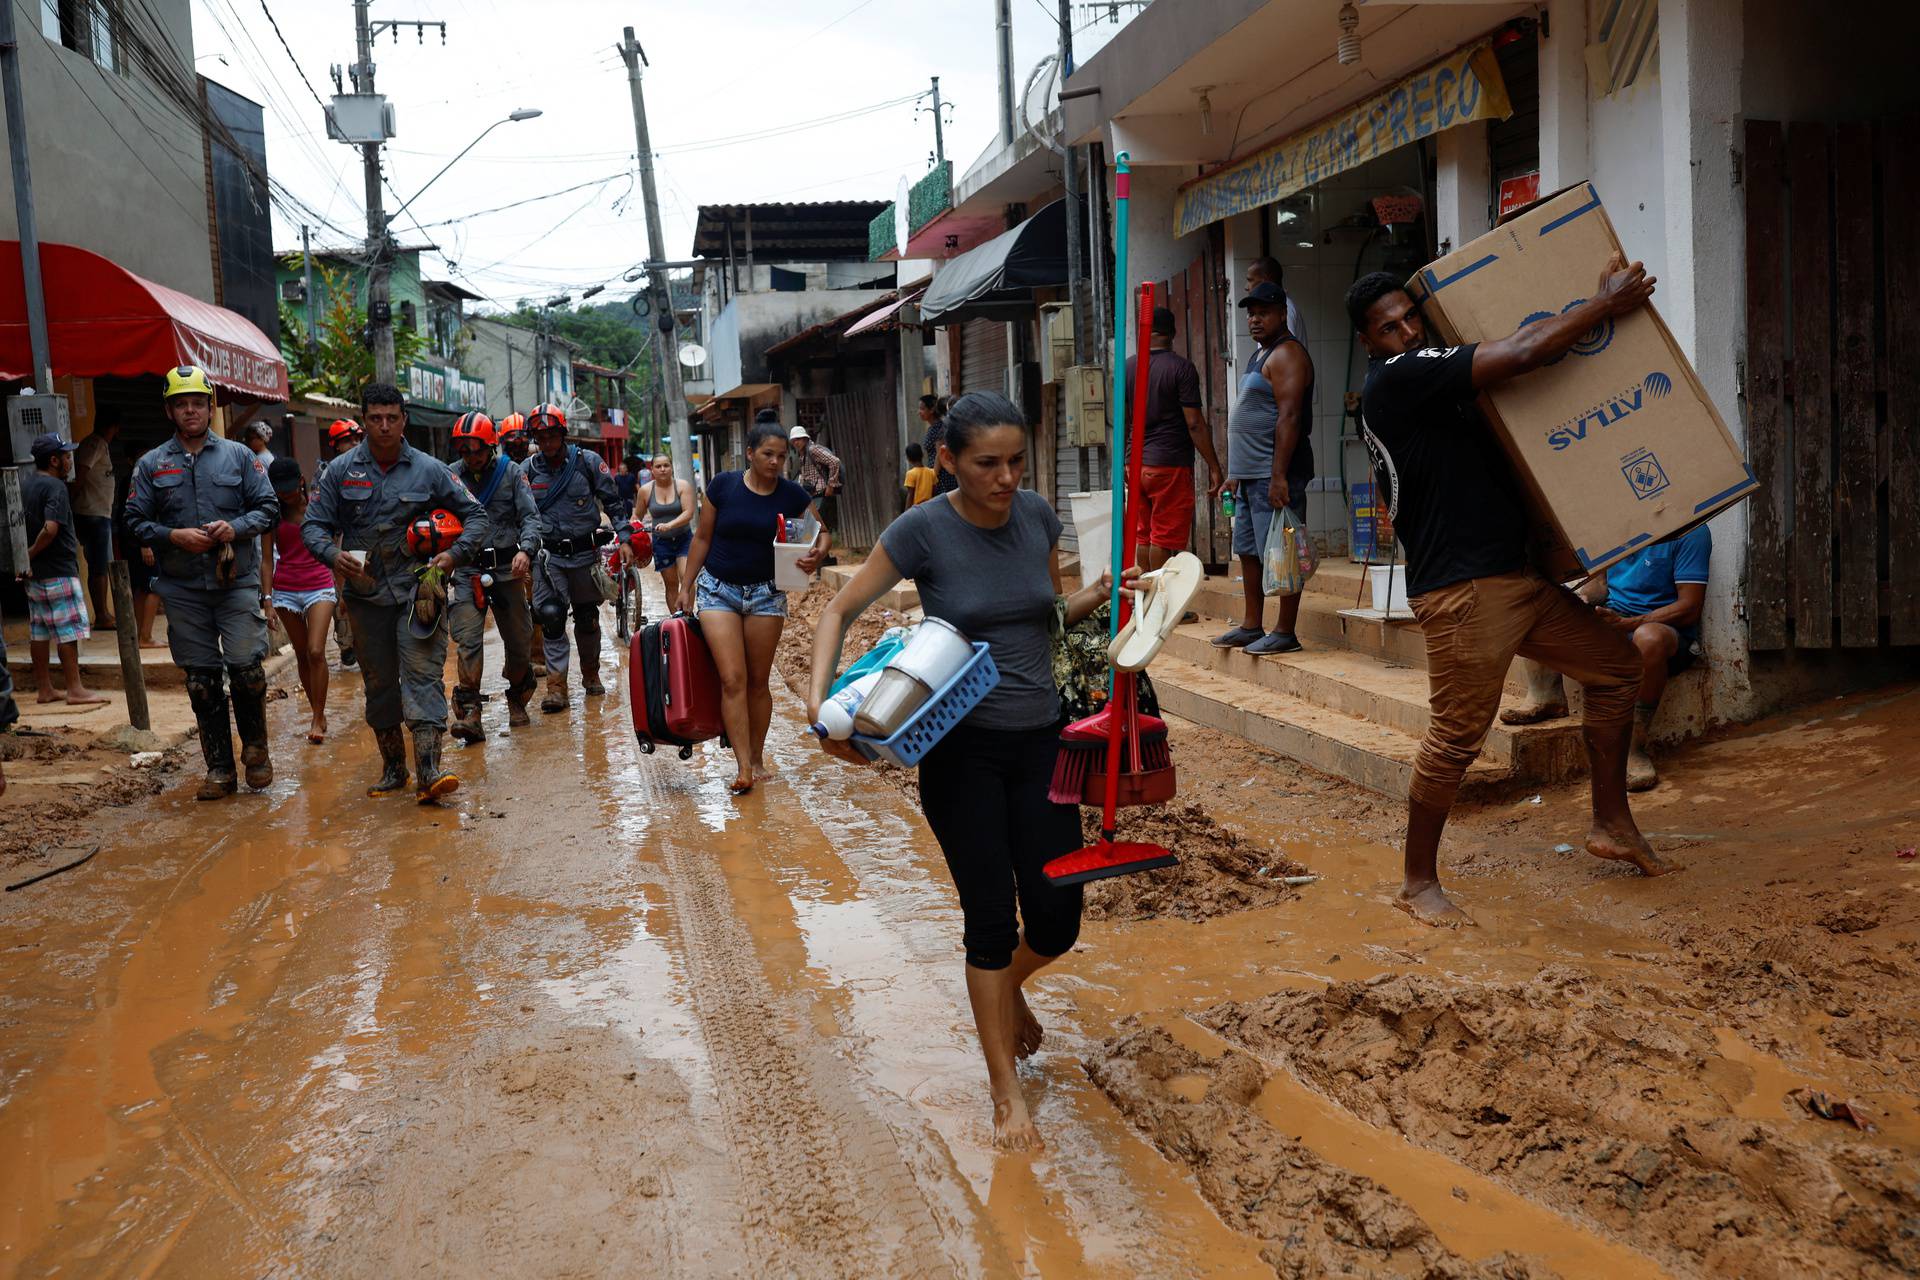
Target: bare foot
point(317, 731)
point(1012, 1127)
point(760, 771)
point(1027, 1031)
point(153, 644)
point(1430, 905)
point(46, 695)
point(1629, 846)
point(1533, 713)
point(84, 697)
point(741, 785)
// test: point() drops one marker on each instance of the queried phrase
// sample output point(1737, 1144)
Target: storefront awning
point(884, 316)
point(994, 280)
point(104, 321)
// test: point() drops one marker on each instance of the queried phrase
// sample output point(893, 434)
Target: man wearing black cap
point(56, 604)
point(1269, 461)
point(1175, 430)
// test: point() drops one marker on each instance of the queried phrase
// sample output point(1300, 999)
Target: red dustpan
point(1112, 857)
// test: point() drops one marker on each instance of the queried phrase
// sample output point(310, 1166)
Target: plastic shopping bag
point(1289, 558)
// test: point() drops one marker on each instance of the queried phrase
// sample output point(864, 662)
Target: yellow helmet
point(187, 380)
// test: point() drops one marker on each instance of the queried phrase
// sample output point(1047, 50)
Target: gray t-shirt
point(994, 585)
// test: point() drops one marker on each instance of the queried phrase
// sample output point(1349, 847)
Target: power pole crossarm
point(657, 284)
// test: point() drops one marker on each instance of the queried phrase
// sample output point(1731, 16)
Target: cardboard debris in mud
point(1617, 443)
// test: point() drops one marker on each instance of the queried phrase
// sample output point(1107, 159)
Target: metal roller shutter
point(983, 356)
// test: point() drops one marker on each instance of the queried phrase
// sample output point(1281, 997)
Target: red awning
point(104, 321)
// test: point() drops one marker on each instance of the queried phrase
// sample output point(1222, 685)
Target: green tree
point(341, 363)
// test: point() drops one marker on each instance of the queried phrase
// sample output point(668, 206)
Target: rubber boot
point(434, 780)
point(250, 718)
point(207, 693)
point(555, 698)
point(1641, 775)
point(517, 694)
point(393, 759)
point(466, 716)
point(589, 647)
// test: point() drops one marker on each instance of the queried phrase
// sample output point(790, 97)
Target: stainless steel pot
point(891, 702)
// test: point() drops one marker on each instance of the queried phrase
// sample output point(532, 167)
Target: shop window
point(90, 28)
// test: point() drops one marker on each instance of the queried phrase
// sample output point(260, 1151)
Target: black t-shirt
point(1173, 385)
point(744, 524)
point(1451, 493)
point(43, 498)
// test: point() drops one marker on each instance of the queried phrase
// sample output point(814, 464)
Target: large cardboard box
point(1616, 442)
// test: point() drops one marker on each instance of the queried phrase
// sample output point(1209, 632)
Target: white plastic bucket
point(934, 653)
point(786, 565)
point(1389, 583)
point(1093, 526)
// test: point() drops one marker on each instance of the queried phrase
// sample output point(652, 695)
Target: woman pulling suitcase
point(729, 581)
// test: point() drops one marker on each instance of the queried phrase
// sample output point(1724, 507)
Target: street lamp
point(514, 117)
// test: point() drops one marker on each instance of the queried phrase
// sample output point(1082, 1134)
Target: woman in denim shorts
point(669, 517)
point(300, 590)
point(730, 584)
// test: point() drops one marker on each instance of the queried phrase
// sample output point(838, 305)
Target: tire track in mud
point(1590, 1102)
point(826, 1188)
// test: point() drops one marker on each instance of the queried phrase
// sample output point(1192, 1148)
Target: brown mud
point(58, 782)
point(597, 1017)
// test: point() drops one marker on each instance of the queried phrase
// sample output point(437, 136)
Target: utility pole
point(939, 136)
point(379, 287)
point(1075, 252)
point(658, 288)
point(23, 203)
point(306, 255)
point(1003, 30)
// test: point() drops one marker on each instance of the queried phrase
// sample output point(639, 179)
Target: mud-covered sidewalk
point(599, 1018)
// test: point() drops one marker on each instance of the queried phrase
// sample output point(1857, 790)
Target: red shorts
point(1166, 507)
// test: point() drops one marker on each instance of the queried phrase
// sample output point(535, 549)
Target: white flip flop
point(1157, 609)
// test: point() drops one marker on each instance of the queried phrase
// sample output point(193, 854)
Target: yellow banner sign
point(1461, 87)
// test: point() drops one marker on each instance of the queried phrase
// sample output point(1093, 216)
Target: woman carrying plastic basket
point(985, 559)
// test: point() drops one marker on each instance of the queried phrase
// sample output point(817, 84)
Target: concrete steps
point(1362, 687)
point(1375, 757)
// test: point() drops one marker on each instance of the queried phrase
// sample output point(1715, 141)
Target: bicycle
point(628, 606)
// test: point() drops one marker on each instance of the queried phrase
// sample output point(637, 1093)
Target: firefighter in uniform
point(342, 435)
point(571, 488)
point(498, 484)
point(512, 430)
point(363, 506)
point(202, 503)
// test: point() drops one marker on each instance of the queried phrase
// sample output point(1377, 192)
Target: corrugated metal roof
point(817, 231)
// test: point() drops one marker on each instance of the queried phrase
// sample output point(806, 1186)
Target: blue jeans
point(1253, 514)
point(755, 600)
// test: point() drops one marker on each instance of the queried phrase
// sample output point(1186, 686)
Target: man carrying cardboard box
point(1455, 503)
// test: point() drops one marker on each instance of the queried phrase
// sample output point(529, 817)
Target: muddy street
point(597, 1017)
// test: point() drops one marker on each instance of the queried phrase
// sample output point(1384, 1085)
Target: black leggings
point(984, 792)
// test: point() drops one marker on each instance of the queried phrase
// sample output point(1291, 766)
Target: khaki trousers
point(1473, 630)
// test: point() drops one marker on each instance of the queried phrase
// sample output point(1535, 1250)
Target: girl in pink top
point(300, 590)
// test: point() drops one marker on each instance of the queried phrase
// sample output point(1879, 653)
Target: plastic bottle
point(836, 715)
point(1226, 503)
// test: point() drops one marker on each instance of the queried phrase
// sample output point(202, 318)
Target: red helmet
point(640, 540)
point(474, 426)
point(547, 414)
point(434, 533)
point(341, 429)
point(513, 426)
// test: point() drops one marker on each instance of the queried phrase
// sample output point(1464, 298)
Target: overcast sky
point(720, 69)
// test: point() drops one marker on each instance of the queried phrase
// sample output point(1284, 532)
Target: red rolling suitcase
point(673, 686)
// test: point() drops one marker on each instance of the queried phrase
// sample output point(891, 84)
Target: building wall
point(116, 169)
point(487, 360)
point(752, 322)
point(243, 211)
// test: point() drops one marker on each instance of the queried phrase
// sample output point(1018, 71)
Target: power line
point(734, 140)
point(545, 195)
point(271, 21)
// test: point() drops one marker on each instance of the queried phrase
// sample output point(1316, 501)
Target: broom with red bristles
point(1118, 732)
